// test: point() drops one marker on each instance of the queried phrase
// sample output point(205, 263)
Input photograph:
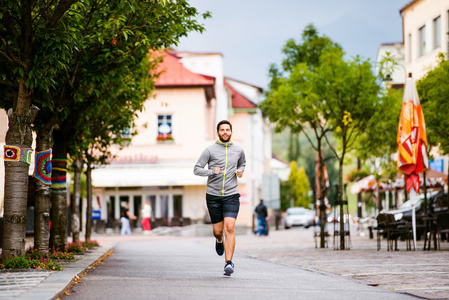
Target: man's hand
point(217, 170)
point(239, 173)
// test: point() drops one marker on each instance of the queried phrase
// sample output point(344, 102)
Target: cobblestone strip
point(13, 284)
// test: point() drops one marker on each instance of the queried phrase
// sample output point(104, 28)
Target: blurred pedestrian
point(262, 214)
point(226, 162)
point(126, 216)
point(146, 217)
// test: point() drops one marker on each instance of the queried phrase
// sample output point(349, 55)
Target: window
point(422, 40)
point(436, 33)
point(164, 128)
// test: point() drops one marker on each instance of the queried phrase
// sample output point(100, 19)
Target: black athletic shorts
point(222, 206)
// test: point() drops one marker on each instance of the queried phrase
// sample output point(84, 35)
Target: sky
point(251, 33)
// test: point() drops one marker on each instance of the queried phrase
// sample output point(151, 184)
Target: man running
point(226, 161)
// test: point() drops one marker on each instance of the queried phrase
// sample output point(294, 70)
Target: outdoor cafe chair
point(382, 229)
point(397, 230)
point(442, 226)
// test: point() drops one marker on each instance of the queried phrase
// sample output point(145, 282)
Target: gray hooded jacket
point(227, 156)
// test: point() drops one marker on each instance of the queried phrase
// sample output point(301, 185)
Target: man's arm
point(202, 161)
point(241, 165)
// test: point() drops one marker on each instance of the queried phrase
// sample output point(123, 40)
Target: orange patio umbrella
point(412, 143)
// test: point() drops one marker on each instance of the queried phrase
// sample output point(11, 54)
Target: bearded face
point(224, 133)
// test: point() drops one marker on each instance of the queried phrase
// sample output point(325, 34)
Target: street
point(188, 268)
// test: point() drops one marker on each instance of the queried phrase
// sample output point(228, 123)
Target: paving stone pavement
point(421, 273)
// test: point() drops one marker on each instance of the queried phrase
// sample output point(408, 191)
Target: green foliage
point(294, 147)
point(24, 262)
point(17, 263)
point(300, 186)
point(32, 253)
point(387, 66)
point(308, 52)
point(380, 138)
point(61, 255)
point(433, 93)
point(90, 244)
point(320, 90)
point(351, 97)
point(285, 195)
point(296, 189)
point(51, 265)
point(74, 247)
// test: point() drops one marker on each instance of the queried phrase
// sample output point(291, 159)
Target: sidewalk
point(43, 284)
point(420, 273)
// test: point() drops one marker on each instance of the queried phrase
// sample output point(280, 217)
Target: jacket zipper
point(226, 166)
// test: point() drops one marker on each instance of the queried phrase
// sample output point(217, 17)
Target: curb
point(57, 282)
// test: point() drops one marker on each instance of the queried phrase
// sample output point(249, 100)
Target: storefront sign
point(96, 214)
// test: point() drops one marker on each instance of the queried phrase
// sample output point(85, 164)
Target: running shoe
point(219, 247)
point(229, 268)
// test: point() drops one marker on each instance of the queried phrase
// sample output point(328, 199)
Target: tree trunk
point(340, 200)
point(19, 136)
point(75, 204)
point(89, 203)
point(42, 195)
point(322, 183)
point(58, 212)
point(359, 195)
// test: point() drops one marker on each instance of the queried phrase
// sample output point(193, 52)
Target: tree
point(351, 99)
point(292, 102)
point(294, 147)
point(300, 186)
point(72, 54)
point(24, 27)
point(434, 96)
point(380, 139)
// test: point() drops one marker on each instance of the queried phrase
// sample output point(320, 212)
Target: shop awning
point(146, 175)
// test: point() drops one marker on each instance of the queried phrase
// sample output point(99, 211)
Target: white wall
point(210, 64)
point(422, 13)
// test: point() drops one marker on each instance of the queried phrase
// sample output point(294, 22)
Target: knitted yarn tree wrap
point(11, 153)
point(14, 153)
point(59, 182)
point(42, 170)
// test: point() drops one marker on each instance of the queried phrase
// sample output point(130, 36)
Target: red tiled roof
point(173, 73)
point(238, 100)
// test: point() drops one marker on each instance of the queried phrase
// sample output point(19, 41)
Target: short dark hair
point(223, 122)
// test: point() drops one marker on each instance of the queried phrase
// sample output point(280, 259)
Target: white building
point(425, 33)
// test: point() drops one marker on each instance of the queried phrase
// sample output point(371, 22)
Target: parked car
point(436, 202)
point(299, 216)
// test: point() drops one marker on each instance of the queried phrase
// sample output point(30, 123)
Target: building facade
point(191, 97)
point(425, 34)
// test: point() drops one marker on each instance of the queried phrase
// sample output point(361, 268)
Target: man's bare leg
point(229, 245)
point(218, 231)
